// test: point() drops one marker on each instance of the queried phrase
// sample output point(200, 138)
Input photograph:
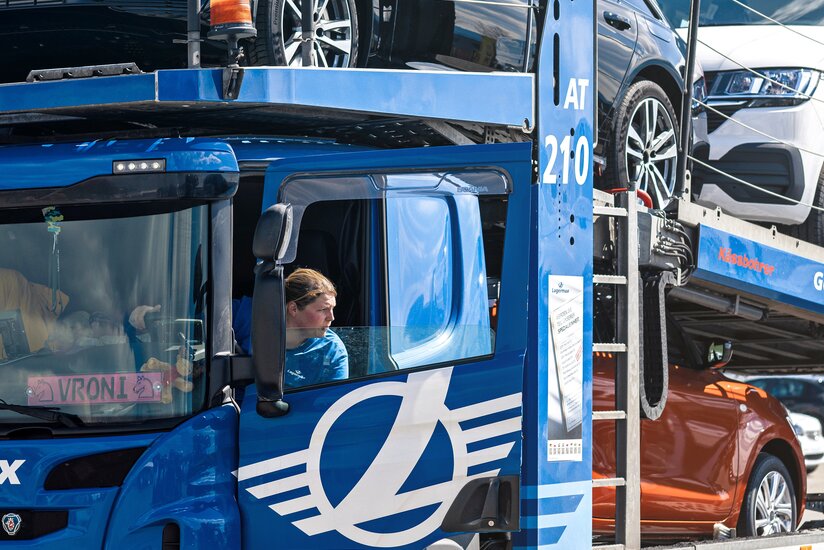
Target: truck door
point(428, 250)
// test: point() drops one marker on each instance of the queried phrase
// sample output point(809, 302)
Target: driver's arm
point(137, 317)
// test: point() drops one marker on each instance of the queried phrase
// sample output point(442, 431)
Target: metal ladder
point(627, 416)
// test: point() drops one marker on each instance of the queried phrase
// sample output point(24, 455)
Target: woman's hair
point(304, 286)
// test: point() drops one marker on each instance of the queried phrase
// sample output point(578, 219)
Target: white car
point(775, 135)
point(808, 430)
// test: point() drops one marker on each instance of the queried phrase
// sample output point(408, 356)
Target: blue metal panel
point(185, 477)
point(759, 269)
point(64, 164)
point(562, 214)
point(508, 156)
point(89, 509)
point(276, 148)
point(559, 511)
point(436, 95)
point(34, 96)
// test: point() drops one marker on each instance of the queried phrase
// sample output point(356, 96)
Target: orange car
point(722, 451)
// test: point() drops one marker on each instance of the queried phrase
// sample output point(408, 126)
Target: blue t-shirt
point(315, 360)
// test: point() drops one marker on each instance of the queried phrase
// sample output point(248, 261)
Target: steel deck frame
point(367, 104)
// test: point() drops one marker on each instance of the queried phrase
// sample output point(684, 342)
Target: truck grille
point(36, 524)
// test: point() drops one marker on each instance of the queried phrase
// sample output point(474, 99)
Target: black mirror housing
point(268, 309)
point(273, 231)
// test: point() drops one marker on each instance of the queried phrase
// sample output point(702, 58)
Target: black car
point(640, 59)
point(445, 34)
point(801, 395)
point(640, 81)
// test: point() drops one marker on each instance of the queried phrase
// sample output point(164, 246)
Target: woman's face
point(314, 319)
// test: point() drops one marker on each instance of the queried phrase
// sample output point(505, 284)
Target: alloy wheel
point(333, 33)
point(773, 506)
point(651, 151)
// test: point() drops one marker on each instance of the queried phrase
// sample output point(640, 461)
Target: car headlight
point(767, 87)
point(799, 431)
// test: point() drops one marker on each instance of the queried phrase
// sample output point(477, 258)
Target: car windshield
point(103, 318)
point(743, 12)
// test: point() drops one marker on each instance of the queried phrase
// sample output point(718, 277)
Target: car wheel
point(812, 230)
point(769, 502)
point(278, 41)
point(811, 469)
point(644, 145)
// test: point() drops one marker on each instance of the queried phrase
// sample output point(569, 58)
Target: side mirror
point(718, 355)
point(274, 229)
point(273, 232)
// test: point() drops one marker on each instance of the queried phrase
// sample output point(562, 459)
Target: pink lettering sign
point(84, 389)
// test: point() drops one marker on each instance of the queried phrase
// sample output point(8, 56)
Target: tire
point(278, 25)
point(812, 230)
point(641, 154)
point(811, 469)
point(769, 502)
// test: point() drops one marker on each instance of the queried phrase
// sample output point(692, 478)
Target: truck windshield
point(727, 12)
point(104, 318)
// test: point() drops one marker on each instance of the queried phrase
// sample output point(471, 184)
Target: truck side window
point(417, 266)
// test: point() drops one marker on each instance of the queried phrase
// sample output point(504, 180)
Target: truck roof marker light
point(231, 20)
point(144, 166)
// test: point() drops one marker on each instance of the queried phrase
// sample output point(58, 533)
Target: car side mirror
point(718, 355)
point(272, 234)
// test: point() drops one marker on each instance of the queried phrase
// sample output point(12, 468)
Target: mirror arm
point(268, 330)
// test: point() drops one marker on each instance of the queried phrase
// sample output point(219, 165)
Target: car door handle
point(618, 21)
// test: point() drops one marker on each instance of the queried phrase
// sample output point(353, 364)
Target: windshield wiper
point(52, 414)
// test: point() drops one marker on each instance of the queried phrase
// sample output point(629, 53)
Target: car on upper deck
point(641, 70)
point(442, 34)
point(763, 61)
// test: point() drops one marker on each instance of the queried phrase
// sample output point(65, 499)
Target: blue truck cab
point(110, 431)
point(137, 209)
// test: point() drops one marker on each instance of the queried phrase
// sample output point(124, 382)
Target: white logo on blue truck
point(8, 471)
point(377, 494)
